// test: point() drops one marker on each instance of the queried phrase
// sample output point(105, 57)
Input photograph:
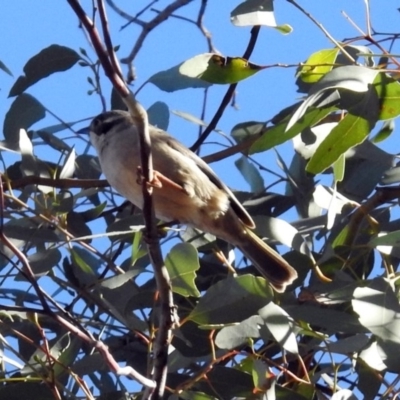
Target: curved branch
point(228, 95)
point(149, 26)
point(111, 67)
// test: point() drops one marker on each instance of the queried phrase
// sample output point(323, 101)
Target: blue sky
point(33, 25)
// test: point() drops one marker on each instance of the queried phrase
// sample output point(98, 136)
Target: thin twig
point(320, 26)
point(125, 15)
point(56, 183)
point(149, 26)
point(139, 115)
point(107, 39)
point(228, 95)
point(101, 52)
point(198, 23)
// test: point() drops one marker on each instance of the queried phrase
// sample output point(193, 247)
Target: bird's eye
point(96, 126)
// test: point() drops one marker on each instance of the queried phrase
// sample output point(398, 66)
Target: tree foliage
point(80, 302)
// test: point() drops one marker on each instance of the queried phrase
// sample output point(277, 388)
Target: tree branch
point(149, 26)
point(228, 95)
point(110, 65)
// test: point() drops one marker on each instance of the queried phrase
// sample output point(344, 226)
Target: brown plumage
point(191, 193)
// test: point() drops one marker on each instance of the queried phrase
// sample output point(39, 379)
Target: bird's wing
point(203, 166)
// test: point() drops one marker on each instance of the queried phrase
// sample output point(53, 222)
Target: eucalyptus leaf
point(214, 68)
point(317, 65)
point(279, 134)
point(379, 312)
point(172, 80)
point(254, 12)
point(182, 263)
point(232, 300)
point(54, 58)
point(251, 174)
point(43, 261)
point(352, 78)
point(5, 69)
point(233, 336)
point(352, 130)
point(68, 169)
point(23, 113)
point(158, 114)
point(280, 325)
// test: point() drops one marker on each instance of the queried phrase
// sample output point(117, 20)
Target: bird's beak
point(84, 131)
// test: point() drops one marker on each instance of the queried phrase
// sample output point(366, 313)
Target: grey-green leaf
point(232, 300)
point(182, 263)
point(52, 59)
point(233, 336)
point(171, 80)
point(158, 114)
point(5, 69)
point(23, 113)
point(251, 174)
point(353, 78)
point(378, 311)
point(280, 326)
point(254, 12)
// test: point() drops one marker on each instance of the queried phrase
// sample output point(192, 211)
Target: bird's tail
point(268, 262)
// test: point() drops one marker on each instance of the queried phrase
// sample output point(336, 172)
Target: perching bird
point(190, 192)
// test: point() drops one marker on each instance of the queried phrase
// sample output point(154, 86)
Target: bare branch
point(107, 39)
point(228, 95)
point(57, 183)
point(149, 26)
point(138, 113)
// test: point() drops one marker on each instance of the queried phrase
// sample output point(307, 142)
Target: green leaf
point(285, 29)
point(191, 395)
point(87, 167)
point(385, 131)
point(77, 225)
point(68, 355)
point(43, 261)
point(331, 320)
point(232, 300)
point(254, 12)
point(230, 337)
point(182, 262)
point(378, 311)
point(27, 230)
point(228, 382)
point(68, 168)
point(351, 131)
point(5, 69)
point(53, 141)
point(352, 78)
point(24, 112)
point(84, 260)
point(388, 91)
point(251, 174)
point(171, 80)
point(214, 68)
point(158, 114)
point(278, 133)
point(339, 168)
point(263, 378)
point(116, 101)
point(52, 59)
point(280, 326)
point(93, 213)
point(247, 129)
point(314, 69)
point(369, 381)
point(391, 239)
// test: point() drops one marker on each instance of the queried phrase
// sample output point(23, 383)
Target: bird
point(187, 190)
